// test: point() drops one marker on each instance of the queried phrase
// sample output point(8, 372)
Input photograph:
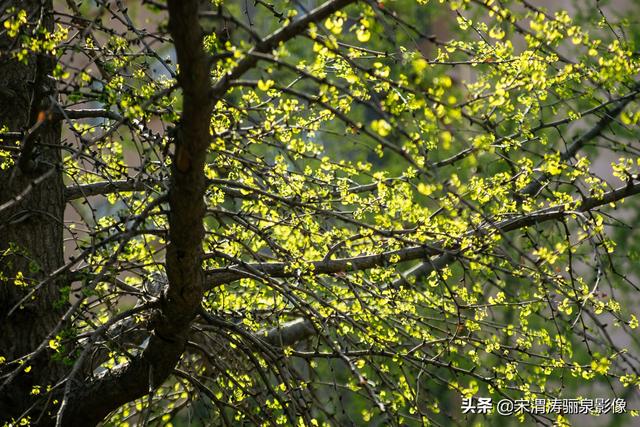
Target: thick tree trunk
point(31, 227)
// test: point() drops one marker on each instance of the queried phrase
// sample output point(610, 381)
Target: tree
point(243, 214)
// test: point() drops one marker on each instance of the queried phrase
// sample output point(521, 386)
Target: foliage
point(393, 221)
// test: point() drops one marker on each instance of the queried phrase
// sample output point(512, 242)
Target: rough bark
point(31, 226)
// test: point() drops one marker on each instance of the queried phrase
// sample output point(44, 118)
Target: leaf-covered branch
point(229, 274)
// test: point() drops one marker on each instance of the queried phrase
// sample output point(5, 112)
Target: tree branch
point(107, 187)
point(229, 187)
point(89, 113)
point(609, 116)
point(58, 115)
point(281, 269)
point(289, 333)
point(232, 273)
point(272, 41)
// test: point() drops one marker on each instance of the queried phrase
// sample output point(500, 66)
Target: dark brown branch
point(272, 41)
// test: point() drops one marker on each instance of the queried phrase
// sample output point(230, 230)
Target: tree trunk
point(31, 226)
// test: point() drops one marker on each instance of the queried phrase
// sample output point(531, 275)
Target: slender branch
point(272, 41)
point(587, 204)
point(609, 117)
point(107, 187)
point(10, 136)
